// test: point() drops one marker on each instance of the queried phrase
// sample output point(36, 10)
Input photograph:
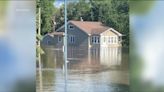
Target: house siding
point(48, 40)
point(108, 34)
point(81, 38)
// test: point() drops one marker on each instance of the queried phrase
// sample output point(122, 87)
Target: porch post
point(89, 40)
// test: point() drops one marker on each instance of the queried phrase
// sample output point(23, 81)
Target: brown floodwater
point(95, 69)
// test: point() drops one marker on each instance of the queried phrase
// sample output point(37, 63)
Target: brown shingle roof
point(90, 27)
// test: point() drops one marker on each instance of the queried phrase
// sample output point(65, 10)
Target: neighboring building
point(54, 38)
point(85, 33)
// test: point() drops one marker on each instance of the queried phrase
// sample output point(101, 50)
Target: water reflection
point(96, 69)
point(110, 56)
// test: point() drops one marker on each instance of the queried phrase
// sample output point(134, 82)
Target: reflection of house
point(85, 33)
point(94, 58)
point(110, 56)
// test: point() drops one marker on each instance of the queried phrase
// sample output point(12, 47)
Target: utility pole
point(65, 44)
point(39, 54)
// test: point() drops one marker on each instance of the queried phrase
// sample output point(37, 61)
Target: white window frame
point(112, 39)
point(119, 38)
point(116, 40)
point(95, 39)
point(104, 39)
point(109, 39)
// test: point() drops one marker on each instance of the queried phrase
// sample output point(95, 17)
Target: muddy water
point(96, 69)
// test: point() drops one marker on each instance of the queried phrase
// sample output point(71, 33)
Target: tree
point(47, 12)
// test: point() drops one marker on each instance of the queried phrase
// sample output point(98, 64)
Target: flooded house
point(94, 51)
point(84, 33)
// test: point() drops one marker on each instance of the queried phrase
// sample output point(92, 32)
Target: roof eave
point(118, 33)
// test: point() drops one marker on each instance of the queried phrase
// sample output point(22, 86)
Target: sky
point(58, 3)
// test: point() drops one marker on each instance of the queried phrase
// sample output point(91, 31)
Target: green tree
point(47, 13)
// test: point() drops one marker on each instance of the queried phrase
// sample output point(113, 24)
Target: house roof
point(91, 27)
point(56, 33)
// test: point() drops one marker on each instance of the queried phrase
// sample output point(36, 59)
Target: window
point(104, 39)
point(72, 39)
point(115, 41)
point(59, 39)
point(95, 39)
point(119, 38)
point(92, 39)
point(109, 40)
point(98, 39)
point(71, 26)
point(112, 40)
